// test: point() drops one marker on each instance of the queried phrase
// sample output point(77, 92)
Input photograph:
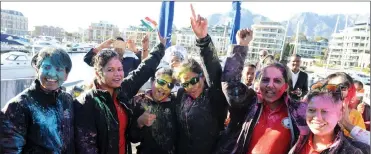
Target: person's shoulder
point(304, 73)
point(19, 101)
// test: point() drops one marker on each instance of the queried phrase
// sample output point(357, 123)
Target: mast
point(344, 57)
point(284, 40)
point(330, 49)
point(296, 38)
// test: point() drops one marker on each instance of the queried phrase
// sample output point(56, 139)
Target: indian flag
point(149, 23)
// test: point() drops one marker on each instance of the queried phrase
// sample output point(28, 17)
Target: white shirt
point(294, 78)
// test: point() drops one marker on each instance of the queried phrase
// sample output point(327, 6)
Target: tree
point(302, 37)
point(320, 38)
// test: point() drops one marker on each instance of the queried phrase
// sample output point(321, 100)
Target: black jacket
point(202, 119)
point(302, 83)
point(97, 127)
point(160, 137)
point(38, 122)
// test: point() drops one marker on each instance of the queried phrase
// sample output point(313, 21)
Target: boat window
point(11, 57)
point(23, 58)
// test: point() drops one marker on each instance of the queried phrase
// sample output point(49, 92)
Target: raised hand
point(244, 36)
point(199, 24)
point(106, 44)
point(145, 42)
point(131, 45)
point(162, 40)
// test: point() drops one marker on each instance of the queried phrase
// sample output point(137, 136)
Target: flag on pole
point(236, 21)
point(166, 21)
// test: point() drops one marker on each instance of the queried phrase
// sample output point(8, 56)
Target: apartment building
point(351, 47)
point(267, 36)
point(99, 32)
point(310, 49)
point(14, 23)
point(137, 33)
point(219, 35)
point(56, 32)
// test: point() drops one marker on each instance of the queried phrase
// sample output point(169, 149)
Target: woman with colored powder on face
point(201, 106)
point(40, 119)
point(269, 122)
point(323, 114)
point(157, 120)
point(104, 117)
point(343, 80)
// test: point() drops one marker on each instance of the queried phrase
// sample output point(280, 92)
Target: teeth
point(51, 80)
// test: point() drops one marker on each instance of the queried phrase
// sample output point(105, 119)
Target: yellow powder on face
point(180, 71)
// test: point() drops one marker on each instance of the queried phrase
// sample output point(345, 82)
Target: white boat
point(15, 65)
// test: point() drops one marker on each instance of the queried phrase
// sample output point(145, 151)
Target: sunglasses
point(163, 82)
point(193, 81)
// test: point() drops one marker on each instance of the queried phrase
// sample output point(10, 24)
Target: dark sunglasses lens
point(194, 80)
point(161, 82)
point(185, 85)
point(170, 86)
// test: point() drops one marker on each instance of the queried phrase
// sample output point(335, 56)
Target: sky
point(72, 15)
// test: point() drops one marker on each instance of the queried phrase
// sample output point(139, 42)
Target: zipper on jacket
point(251, 129)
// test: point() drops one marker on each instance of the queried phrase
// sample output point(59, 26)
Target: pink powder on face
point(324, 112)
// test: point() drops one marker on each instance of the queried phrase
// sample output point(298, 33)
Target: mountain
point(311, 24)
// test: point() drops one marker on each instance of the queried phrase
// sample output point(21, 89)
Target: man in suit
point(299, 86)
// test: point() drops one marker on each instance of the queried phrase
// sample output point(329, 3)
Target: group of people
point(269, 107)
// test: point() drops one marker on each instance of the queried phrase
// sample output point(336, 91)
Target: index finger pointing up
point(193, 12)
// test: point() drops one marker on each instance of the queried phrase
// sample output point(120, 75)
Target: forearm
point(210, 60)
point(360, 134)
point(234, 64)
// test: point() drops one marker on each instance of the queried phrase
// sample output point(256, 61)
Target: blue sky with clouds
point(71, 15)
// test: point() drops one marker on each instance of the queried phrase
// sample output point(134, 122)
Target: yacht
point(16, 64)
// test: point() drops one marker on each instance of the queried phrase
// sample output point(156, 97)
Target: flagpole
point(297, 38)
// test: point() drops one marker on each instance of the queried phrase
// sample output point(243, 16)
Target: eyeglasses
point(193, 81)
point(163, 82)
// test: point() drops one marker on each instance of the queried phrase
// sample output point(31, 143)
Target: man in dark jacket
point(299, 86)
point(40, 119)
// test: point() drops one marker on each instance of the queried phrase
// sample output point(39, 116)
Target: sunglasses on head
point(193, 81)
point(163, 82)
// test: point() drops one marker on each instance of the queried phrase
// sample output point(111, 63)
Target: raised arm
point(137, 78)
point(13, 128)
point(208, 53)
point(88, 58)
point(238, 95)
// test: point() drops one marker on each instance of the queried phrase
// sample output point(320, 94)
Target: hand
point(131, 45)
point(199, 25)
point(106, 44)
point(145, 43)
point(162, 40)
point(243, 37)
point(345, 122)
point(146, 119)
point(361, 108)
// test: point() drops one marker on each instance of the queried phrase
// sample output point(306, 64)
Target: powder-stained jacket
point(97, 125)
point(161, 136)
point(246, 107)
point(341, 145)
point(38, 122)
point(202, 119)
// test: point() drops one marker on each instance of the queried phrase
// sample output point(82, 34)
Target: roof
point(13, 12)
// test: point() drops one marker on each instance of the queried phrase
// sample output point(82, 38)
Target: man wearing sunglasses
point(155, 111)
